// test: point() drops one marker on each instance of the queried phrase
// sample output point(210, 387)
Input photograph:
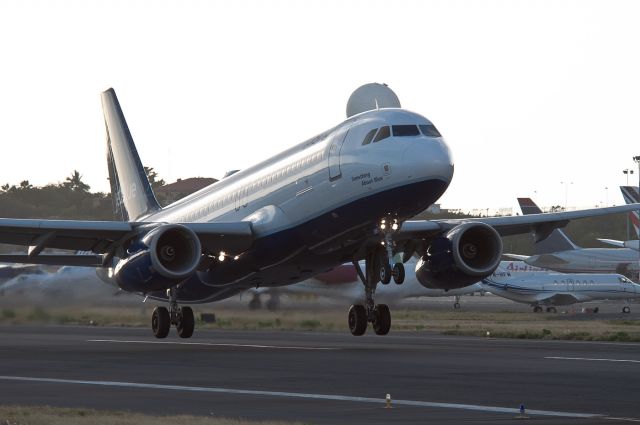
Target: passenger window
point(382, 134)
point(369, 137)
point(405, 130)
point(430, 130)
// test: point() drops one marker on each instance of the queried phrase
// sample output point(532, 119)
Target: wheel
point(255, 303)
point(385, 273)
point(357, 320)
point(626, 309)
point(381, 319)
point(186, 322)
point(160, 322)
point(551, 310)
point(398, 273)
point(537, 309)
point(456, 306)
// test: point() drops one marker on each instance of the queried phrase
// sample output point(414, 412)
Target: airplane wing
point(541, 225)
point(104, 238)
point(560, 299)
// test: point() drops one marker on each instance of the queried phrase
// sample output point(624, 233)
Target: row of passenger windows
point(408, 130)
point(239, 197)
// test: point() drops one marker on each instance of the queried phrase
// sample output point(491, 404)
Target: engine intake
point(164, 257)
point(466, 254)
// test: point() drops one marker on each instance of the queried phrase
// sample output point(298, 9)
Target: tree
point(152, 176)
point(75, 183)
point(25, 185)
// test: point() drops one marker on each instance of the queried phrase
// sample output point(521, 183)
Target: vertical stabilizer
point(631, 195)
point(130, 188)
point(557, 240)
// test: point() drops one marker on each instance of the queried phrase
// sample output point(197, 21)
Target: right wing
point(104, 239)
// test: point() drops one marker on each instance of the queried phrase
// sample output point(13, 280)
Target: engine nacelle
point(164, 257)
point(467, 254)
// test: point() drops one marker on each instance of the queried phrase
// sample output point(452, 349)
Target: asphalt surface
point(320, 377)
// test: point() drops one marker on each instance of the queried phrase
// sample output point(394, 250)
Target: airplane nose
point(428, 158)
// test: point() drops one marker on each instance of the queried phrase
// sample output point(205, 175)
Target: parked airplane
point(344, 195)
point(549, 289)
point(343, 284)
point(630, 195)
point(559, 253)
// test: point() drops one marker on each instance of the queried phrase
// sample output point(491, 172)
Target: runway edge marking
point(213, 344)
point(415, 403)
point(588, 359)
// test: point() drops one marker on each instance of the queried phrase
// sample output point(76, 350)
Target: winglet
point(132, 195)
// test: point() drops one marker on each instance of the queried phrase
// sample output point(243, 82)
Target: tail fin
point(132, 195)
point(631, 195)
point(557, 240)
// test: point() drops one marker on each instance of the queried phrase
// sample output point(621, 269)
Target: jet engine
point(466, 254)
point(164, 257)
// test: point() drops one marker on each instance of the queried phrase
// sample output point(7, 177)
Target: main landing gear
point(378, 268)
point(182, 317)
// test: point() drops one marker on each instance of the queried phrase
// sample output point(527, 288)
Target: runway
point(321, 377)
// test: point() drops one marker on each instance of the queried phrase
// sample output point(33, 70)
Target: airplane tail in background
point(631, 195)
point(557, 240)
point(132, 195)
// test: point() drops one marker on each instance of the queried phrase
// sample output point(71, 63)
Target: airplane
point(548, 289)
point(344, 195)
point(630, 195)
point(560, 254)
point(343, 284)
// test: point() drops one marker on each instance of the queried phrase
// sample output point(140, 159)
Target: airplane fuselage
point(549, 289)
point(317, 202)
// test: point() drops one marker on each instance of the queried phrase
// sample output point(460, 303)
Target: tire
point(385, 273)
point(398, 273)
point(381, 319)
point(186, 322)
point(626, 309)
point(456, 306)
point(537, 309)
point(357, 320)
point(551, 310)
point(160, 322)
point(273, 304)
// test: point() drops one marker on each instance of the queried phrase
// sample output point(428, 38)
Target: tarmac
point(321, 378)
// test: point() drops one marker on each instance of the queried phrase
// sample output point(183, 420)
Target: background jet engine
point(466, 254)
point(164, 257)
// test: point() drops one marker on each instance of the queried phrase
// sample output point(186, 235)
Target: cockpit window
point(369, 137)
point(624, 280)
point(405, 130)
point(430, 130)
point(382, 134)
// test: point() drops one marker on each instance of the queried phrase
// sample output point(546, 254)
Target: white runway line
point(211, 344)
point(380, 401)
point(592, 360)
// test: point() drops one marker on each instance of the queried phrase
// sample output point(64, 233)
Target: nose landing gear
point(182, 317)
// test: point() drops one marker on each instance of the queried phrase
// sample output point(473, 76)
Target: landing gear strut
point(379, 268)
point(182, 317)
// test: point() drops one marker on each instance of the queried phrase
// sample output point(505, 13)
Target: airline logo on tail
point(630, 195)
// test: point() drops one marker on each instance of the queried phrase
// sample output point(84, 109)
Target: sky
point(535, 98)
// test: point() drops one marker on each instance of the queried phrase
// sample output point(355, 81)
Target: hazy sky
point(528, 94)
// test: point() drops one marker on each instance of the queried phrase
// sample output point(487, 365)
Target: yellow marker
point(388, 402)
